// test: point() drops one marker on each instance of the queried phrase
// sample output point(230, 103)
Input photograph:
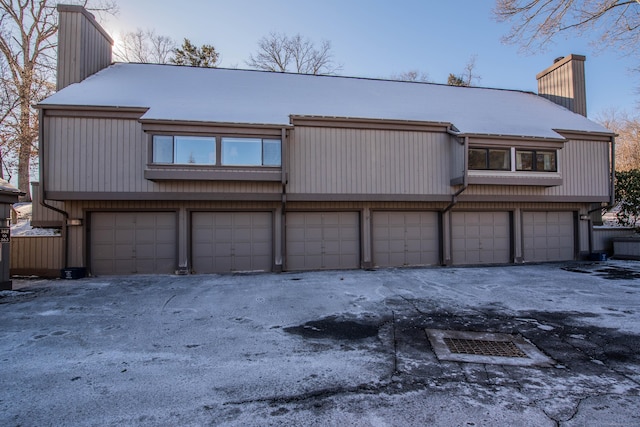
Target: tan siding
point(37, 255)
point(83, 47)
point(42, 216)
point(564, 84)
point(584, 174)
point(110, 155)
point(357, 161)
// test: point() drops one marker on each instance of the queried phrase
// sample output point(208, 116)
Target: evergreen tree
point(190, 55)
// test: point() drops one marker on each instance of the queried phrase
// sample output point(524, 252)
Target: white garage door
point(224, 242)
point(322, 240)
point(133, 243)
point(480, 238)
point(405, 238)
point(548, 236)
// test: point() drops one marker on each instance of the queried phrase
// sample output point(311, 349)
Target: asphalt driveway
point(326, 348)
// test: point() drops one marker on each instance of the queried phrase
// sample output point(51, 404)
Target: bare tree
point(628, 141)
point(145, 46)
point(28, 30)
point(468, 76)
point(412, 76)
point(281, 53)
point(536, 22)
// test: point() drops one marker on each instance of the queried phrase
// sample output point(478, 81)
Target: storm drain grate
point(484, 347)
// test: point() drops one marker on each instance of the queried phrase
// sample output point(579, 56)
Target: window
point(215, 151)
point(183, 150)
point(536, 160)
point(250, 152)
point(489, 159)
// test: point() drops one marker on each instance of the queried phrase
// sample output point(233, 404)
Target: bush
point(628, 196)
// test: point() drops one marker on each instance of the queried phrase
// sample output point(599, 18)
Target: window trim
point(487, 158)
point(217, 137)
point(534, 160)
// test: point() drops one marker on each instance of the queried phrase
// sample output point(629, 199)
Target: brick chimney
point(564, 83)
point(84, 47)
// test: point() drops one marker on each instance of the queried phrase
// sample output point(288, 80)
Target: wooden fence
point(37, 256)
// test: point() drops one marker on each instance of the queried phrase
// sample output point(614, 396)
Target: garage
point(481, 238)
point(405, 238)
point(322, 240)
point(224, 242)
point(132, 243)
point(548, 236)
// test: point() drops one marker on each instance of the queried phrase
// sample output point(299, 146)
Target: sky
point(377, 39)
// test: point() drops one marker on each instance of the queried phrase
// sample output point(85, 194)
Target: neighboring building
point(164, 168)
point(8, 196)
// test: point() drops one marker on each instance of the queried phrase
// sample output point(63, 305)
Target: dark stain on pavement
point(333, 327)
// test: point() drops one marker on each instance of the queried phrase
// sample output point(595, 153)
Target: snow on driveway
point(321, 348)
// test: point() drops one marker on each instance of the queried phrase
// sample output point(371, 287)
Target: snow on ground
point(321, 348)
point(23, 226)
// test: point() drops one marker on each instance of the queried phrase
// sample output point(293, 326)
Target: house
point(8, 196)
point(163, 169)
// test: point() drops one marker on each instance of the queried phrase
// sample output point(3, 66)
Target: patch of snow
point(23, 226)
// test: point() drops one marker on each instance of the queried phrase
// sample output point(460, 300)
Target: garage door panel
point(132, 242)
point(403, 238)
point(231, 241)
point(481, 238)
point(548, 236)
point(322, 240)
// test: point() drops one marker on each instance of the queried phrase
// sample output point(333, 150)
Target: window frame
point(217, 138)
point(534, 160)
point(487, 158)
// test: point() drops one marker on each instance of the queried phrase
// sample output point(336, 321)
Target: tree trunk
point(25, 141)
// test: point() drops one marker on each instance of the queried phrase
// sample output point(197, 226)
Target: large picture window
point(536, 160)
point(204, 150)
point(489, 159)
point(250, 152)
point(184, 150)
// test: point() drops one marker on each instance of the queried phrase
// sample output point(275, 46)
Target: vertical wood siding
point(584, 173)
point(42, 216)
point(82, 48)
point(110, 155)
point(356, 161)
point(37, 255)
point(565, 86)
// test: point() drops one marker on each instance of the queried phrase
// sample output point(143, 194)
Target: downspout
point(65, 214)
point(465, 179)
point(612, 178)
point(612, 191)
point(284, 180)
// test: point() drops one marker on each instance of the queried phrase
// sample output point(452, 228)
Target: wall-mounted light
point(585, 217)
point(74, 221)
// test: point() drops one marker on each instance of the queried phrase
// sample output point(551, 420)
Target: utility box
point(73, 273)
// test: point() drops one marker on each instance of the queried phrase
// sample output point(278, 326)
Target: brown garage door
point(548, 236)
point(405, 238)
point(480, 238)
point(322, 240)
point(224, 242)
point(133, 243)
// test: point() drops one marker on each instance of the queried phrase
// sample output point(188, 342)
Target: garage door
point(480, 238)
point(405, 238)
point(322, 240)
point(224, 242)
point(133, 243)
point(548, 236)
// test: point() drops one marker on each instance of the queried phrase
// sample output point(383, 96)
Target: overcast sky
point(375, 38)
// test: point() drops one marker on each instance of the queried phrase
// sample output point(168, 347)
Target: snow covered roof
point(254, 97)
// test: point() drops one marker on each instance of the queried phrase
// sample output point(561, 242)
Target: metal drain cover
point(485, 347)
